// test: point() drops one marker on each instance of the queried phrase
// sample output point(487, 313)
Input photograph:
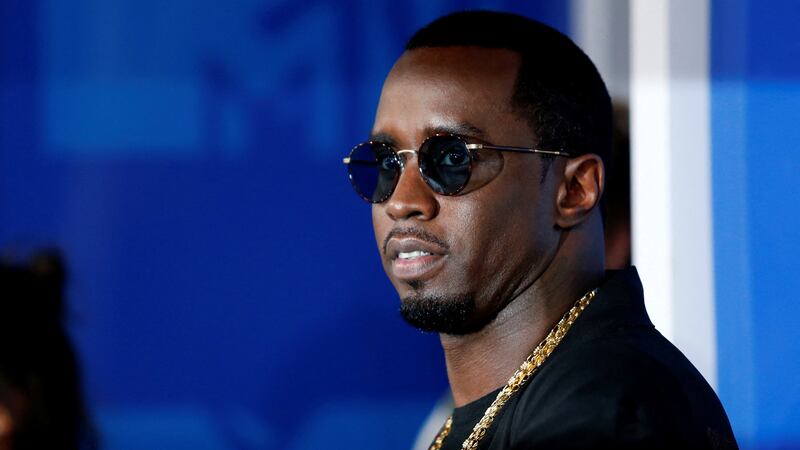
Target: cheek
point(378, 225)
point(381, 225)
point(381, 222)
point(505, 232)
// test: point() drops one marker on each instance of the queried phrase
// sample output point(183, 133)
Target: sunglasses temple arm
point(516, 149)
point(495, 147)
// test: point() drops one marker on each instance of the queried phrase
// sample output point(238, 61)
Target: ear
point(580, 189)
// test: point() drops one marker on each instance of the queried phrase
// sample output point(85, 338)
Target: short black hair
point(558, 89)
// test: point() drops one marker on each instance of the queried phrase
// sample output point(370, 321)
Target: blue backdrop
point(186, 156)
point(755, 99)
point(225, 290)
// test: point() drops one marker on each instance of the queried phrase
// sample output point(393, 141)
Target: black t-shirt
point(613, 382)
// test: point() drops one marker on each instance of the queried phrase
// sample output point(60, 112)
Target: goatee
point(449, 314)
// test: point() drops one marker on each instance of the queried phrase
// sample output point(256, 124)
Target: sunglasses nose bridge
point(412, 151)
point(405, 160)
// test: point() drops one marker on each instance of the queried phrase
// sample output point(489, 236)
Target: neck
point(482, 362)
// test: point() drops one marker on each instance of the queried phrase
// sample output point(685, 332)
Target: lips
point(413, 258)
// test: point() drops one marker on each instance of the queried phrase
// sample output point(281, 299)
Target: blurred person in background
point(41, 406)
point(485, 170)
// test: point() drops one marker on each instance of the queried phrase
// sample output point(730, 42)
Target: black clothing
point(613, 382)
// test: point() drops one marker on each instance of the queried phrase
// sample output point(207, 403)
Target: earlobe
point(580, 190)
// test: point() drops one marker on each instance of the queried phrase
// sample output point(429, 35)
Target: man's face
point(457, 261)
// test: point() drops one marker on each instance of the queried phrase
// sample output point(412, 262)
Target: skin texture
point(524, 249)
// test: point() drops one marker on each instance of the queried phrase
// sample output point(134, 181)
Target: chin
point(448, 314)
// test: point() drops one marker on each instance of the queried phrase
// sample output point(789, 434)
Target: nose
point(412, 197)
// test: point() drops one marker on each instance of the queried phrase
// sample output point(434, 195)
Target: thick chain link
point(520, 377)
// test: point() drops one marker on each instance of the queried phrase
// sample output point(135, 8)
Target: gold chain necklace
point(520, 377)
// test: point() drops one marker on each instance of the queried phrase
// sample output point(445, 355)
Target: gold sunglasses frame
point(469, 147)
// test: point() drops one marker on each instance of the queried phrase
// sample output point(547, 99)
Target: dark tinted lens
point(374, 169)
point(445, 162)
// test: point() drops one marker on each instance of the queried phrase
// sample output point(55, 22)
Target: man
point(485, 173)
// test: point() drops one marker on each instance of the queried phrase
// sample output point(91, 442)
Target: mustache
point(418, 233)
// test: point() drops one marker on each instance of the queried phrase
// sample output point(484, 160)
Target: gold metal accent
point(520, 377)
point(439, 441)
point(516, 149)
point(502, 148)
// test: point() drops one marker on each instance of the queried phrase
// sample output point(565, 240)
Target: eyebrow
point(383, 138)
point(461, 129)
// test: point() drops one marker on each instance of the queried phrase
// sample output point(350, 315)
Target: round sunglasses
point(445, 163)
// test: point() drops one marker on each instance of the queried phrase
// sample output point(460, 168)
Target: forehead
point(429, 88)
